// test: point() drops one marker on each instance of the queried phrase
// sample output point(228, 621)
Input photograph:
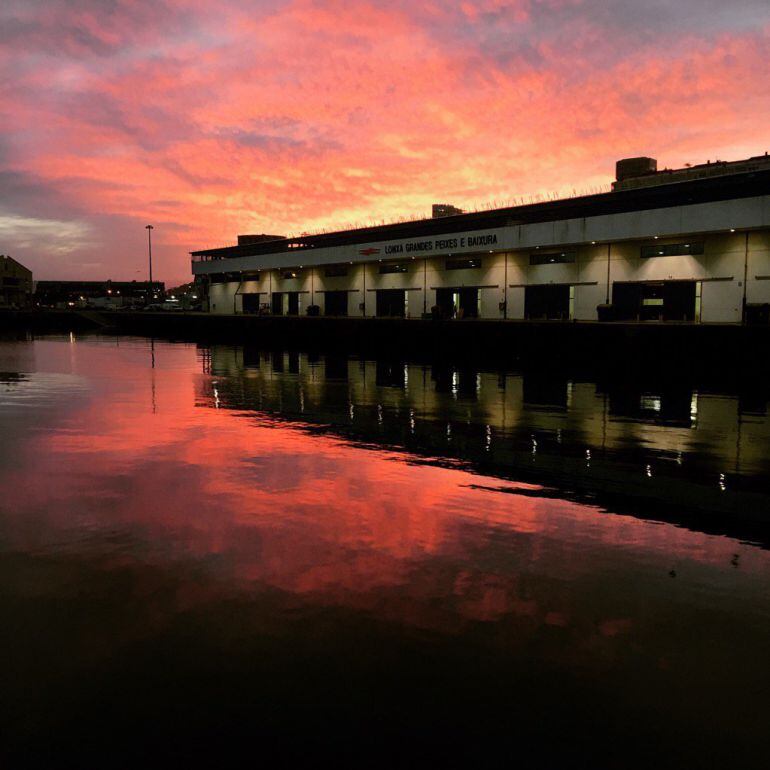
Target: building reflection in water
point(662, 450)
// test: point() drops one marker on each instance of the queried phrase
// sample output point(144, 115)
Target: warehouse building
point(684, 245)
point(15, 283)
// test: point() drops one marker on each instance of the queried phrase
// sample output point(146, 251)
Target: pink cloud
point(210, 121)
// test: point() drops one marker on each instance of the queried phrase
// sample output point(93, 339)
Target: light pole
point(149, 229)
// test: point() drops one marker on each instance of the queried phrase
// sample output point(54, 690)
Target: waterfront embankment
point(706, 347)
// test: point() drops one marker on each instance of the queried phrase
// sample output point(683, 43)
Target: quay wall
point(656, 347)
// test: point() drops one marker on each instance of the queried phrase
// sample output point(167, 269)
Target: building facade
point(696, 249)
point(15, 283)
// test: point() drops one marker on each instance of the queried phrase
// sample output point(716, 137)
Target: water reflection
point(663, 450)
point(204, 549)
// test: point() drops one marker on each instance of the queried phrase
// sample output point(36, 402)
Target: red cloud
point(305, 115)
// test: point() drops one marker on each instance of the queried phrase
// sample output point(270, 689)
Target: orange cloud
point(302, 115)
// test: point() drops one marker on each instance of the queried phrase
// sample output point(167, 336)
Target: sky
point(209, 119)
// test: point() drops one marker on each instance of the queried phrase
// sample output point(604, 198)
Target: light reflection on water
point(319, 542)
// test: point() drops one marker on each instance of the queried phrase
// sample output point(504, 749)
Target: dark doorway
point(391, 303)
point(626, 300)
point(549, 302)
point(336, 303)
point(446, 302)
point(679, 301)
point(250, 303)
point(654, 301)
point(277, 303)
point(469, 303)
point(292, 303)
point(458, 303)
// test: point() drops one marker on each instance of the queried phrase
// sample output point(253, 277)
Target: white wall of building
point(732, 263)
point(222, 298)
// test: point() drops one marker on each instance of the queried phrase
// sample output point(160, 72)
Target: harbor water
point(217, 551)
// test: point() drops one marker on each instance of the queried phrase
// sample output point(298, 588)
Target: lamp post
point(149, 229)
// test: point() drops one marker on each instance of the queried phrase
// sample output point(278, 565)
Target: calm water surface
point(208, 551)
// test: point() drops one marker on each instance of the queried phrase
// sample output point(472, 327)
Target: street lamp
point(149, 229)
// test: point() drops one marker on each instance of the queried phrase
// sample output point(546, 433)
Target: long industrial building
point(683, 245)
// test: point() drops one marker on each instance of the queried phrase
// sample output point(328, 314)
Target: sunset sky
point(212, 118)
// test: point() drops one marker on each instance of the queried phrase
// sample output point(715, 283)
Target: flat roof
point(677, 193)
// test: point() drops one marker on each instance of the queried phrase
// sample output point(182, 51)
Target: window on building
point(551, 257)
point(671, 249)
point(335, 271)
point(463, 264)
point(394, 267)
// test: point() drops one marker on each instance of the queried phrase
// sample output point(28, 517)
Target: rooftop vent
point(445, 210)
point(629, 168)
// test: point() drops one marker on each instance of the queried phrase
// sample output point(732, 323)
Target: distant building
point(97, 293)
point(15, 283)
point(686, 245)
point(188, 296)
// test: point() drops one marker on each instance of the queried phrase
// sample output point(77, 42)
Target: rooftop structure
point(444, 210)
point(245, 240)
point(634, 173)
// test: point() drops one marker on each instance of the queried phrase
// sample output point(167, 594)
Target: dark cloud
point(29, 195)
point(289, 137)
point(534, 33)
point(90, 28)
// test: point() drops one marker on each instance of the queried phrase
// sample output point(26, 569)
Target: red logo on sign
point(368, 252)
